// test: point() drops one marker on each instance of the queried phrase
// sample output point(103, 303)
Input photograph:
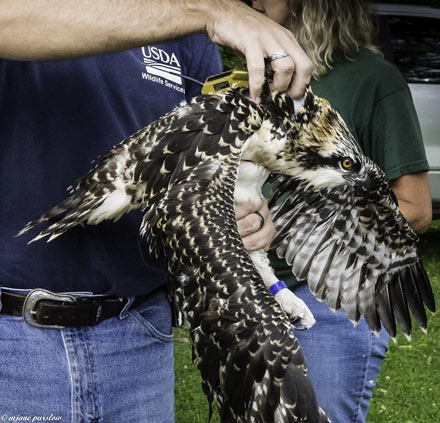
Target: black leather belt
point(45, 309)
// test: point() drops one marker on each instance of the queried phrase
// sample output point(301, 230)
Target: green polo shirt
point(373, 98)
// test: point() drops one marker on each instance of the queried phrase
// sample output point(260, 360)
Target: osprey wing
point(356, 250)
point(138, 172)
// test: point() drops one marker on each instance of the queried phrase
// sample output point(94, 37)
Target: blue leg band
point(276, 287)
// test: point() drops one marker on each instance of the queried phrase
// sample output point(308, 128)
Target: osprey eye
point(346, 163)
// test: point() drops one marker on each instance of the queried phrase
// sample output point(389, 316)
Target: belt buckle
point(35, 296)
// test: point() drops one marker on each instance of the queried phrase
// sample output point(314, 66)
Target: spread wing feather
point(357, 252)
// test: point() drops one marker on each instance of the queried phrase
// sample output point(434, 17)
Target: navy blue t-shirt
point(55, 118)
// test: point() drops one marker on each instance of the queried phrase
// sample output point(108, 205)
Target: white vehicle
point(409, 36)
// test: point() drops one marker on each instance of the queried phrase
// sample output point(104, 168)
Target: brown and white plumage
point(349, 239)
point(182, 171)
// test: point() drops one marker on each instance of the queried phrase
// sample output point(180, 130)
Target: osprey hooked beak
point(363, 185)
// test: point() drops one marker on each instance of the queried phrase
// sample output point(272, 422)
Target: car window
point(413, 45)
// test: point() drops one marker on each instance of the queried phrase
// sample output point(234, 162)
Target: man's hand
point(259, 37)
point(255, 233)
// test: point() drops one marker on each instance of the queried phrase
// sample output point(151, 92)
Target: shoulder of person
point(379, 72)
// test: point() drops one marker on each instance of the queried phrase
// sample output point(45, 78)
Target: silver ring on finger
point(279, 55)
point(261, 220)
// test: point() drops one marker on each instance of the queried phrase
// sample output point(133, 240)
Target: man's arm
point(414, 198)
point(55, 29)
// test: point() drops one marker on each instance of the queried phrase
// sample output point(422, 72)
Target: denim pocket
point(155, 315)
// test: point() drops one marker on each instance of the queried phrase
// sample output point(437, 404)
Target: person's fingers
point(297, 66)
point(255, 66)
point(255, 235)
point(244, 208)
point(264, 208)
point(258, 38)
point(260, 239)
point(292, 73)
point(301, 75)
point(249, 224)
point(283, 73)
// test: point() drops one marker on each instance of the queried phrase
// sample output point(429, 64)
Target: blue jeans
point(343, 361)
point(118, 371)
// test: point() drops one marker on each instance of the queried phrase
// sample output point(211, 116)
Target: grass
point(408, 388)
point(191, 403)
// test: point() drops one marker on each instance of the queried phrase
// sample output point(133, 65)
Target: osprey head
point(320, 149)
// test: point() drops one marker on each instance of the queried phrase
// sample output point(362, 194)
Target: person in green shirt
point(374, 100)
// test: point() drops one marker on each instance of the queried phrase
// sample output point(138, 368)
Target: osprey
point(337, 224)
